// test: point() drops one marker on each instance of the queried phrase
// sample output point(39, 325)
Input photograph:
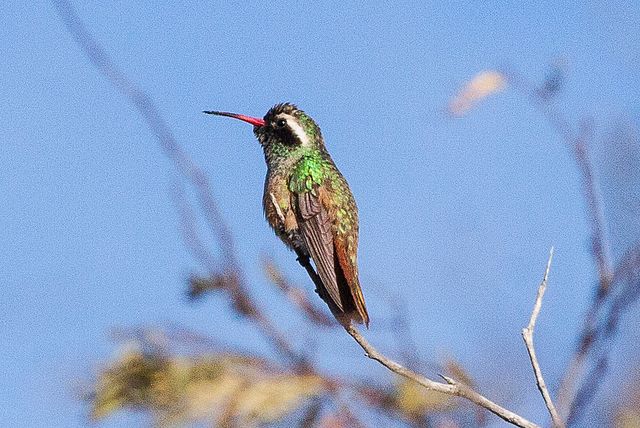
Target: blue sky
point(457, 215)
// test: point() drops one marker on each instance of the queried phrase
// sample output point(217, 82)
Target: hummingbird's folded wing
point(315, 226)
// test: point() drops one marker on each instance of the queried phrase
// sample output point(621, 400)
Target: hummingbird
point(309, 205)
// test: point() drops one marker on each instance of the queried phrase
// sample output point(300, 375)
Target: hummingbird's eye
point(281, 123)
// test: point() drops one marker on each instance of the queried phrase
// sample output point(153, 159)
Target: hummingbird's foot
point(303, 259)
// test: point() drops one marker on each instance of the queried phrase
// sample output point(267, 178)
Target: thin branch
point(452, 387)
point(527, 335)
point(587, 390)
point(601, 253)
point(541, 290)
point(601, 246)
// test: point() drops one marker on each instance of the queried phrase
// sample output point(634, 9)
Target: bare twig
point(591, 190)
point(577, 142)
point(145, 105)
point(452, 387)
point(527, 335)
point(587, 389)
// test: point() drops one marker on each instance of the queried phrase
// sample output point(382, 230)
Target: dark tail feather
point(352, 300)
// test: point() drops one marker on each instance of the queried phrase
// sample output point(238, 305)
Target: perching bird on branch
point(309, 205)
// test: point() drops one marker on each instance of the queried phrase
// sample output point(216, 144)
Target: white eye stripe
point(297, 129)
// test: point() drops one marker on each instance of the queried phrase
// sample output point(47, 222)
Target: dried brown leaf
point(479, 87)
point(458, 372)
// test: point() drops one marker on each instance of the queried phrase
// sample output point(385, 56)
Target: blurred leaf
point(415, 401)
point(334, 420)
point(126, 383)
point(458, 372)
point(481, 86)
point(627, 414)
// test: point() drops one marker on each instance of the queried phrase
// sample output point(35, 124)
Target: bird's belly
point(279, 213)
point(294, 241)
point(288, 233)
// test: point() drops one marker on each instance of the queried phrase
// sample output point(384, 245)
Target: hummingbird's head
point(284, 132)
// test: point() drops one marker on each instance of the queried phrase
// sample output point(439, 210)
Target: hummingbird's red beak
point(252, 120)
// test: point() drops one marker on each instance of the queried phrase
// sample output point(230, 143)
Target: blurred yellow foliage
point(458, 372)
point(628, 412)
point(270, 399)
point(222, 388)
point(416, 401)
point(628, 419)
point(481, 86)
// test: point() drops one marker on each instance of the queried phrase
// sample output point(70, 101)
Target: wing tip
point(356, 314)
point(362, 314)
point(347, 318)
point(359, 306)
